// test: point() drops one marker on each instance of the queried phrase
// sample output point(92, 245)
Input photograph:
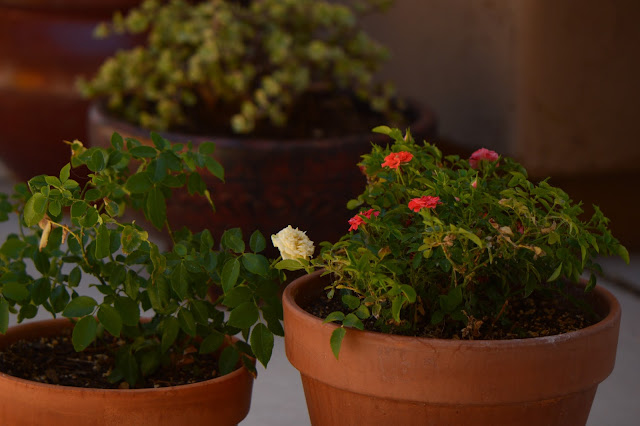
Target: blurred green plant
point(244, 61)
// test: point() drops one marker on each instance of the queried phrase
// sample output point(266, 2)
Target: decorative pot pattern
point(384, 379)
point(270, 184)
point(44, 46)
point(221, 401)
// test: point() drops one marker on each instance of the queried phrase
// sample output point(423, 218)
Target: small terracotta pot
point(270, 183)
point(383, 379)
point(221, 401)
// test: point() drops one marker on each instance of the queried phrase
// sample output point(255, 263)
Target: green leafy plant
point(239, 62)
point(446, 244)
point(156, 301)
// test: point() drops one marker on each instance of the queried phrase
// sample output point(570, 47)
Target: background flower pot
point(272, 183)
point(221, 401)
point(44, 46)
point(382, 379)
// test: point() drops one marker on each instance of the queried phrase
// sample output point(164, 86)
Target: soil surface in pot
point(53, 360)
point(535, 316)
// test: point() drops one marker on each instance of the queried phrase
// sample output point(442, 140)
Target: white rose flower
point(293, 243)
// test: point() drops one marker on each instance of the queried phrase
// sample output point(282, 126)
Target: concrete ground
point(278, 398)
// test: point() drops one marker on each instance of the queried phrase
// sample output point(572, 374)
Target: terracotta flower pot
point(221, 401)
point(271, 183)
point(384, 379)
point(44, 46)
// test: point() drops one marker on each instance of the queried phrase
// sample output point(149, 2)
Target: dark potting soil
point(53, 360)
point(534, 316)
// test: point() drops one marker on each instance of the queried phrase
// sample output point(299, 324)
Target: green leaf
point(79, 307)
point(149, 362)
point(385, 130)
point(257, 242)
point(215, 168)
point(97, 160)
point(35, 209)
point(156, 208)
point(351, 320)
point(471, 236)
point(351, 301)
point(591, 283)
point(290, 265)
point(170, 331)
point(256, 264)
point(237, 296)
point(65, 172)
point(207, 148)
point(262, 343)
point(103, 242)
point(78, 209)
point(556, 273)
point(623, 253)
point(4, 316)
point(336, 340)
point(228, 360)
point(180, 280)
point(396, 306)
point(15, 291)
point(244, 315)
point(195, 184)
point(232, 239)
point(409, 293)
point(128, 310)
point(55, 208)
point(92, 195)
point(13, 247)
point(40, 290)
point(334, 316)
point(84, 332)
point(116, 141)
point(160, 142)
point(187, 323)
point(230, 273)
point(138, 183)
point(131, 239)
point(143, 151)
point(211, 343)
point(90, 218)
point(110, 319)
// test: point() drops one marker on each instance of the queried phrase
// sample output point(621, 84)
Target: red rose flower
point(482, 154)
point(426, 201)
point(358, 220)
point(394, 159)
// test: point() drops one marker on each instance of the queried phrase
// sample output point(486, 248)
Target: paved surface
point(278, 399)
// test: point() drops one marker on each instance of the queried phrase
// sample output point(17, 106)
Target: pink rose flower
point(482, 154)
point(394, 159)
point(423, 202)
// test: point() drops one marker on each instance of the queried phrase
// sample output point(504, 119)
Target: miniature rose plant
point(442, 243)
point(155, 301)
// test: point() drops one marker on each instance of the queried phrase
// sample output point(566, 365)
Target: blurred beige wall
point(457, 57)
point(553, 82)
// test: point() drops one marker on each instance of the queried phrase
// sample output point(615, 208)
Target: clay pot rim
point(60, 322)
point(425, 119)
point(604, 296)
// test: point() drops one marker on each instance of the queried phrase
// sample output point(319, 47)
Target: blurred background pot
point(271, 183)
point(44, 46)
